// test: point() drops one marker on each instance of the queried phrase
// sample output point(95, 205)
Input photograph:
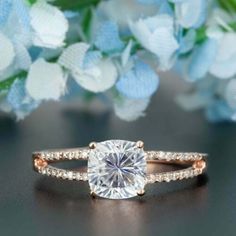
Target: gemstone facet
point(117, 169)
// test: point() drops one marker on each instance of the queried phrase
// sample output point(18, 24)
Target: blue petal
point(202, 15)
point(165, 8)
point(17, 98)
point(16, 94)
point(230, 93)
point(150, 1)
point(219, 111)
point(139, 82)
point(107, 38)
point(35, 52)
point(71, 14)
point(5, 9)
point(224, 69)
point(91, 58)
point(187, 42)
point(191, 13)
point(130, 109)
point(23, 13)
point(177, 1)
point(202, 58)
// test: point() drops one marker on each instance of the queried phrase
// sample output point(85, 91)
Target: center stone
point(116, 169)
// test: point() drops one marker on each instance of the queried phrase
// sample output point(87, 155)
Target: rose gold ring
point(118, 169)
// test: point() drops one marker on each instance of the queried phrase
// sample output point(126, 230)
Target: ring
point(117, 169)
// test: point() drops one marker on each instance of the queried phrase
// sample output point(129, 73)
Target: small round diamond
point(116, 169)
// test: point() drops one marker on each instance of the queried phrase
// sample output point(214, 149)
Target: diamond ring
point(117, 169)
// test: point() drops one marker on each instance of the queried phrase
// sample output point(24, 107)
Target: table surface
point(31, 204)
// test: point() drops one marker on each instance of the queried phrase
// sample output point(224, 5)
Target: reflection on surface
point(104, 216)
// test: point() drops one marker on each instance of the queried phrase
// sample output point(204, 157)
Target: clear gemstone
point(116, 169)
point(70, 175)
point(84, 155)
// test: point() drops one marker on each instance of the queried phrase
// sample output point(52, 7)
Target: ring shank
point(194, 164)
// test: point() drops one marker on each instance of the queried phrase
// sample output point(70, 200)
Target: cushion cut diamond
point(116, 169)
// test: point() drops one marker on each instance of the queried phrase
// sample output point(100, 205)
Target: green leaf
point(228, 5)
point(6, 84)
point(201, 35)
point(31, 2)
point(86, 22)
point(136, 45)
point(75, 5)
point(89, 96)
point(232, 25)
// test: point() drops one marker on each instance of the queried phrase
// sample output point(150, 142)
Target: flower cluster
point(211, 67)
point(116, 48)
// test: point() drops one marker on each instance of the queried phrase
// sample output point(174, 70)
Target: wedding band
point(117, 169)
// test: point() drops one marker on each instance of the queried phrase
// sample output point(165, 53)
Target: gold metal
point(39, 163)
point(92, 145)
point(200, 164)
point(140, 144)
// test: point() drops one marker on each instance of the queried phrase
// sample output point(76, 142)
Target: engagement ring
point(117, 169)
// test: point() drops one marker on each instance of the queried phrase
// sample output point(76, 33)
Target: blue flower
point(91, 58)
point(9, 8)
point(150, 1)
point(201, 60)
point(164, 5)
point(156, 34)
point(187, 41)
point(121, 11)
point(230, 93)
point(107, 38)
point(7, 52)
point(220, 111)
point(15, 36)
point(165, 8)
point(46, 81)
point(201, 96)
point(224, 65)
point(190, 13)
point(16, 21)
point(90, 70)
point(130, 109)
point(22, 12)
point(53, 33)
point(5, 9)
point(21, 103)
point(139, 82)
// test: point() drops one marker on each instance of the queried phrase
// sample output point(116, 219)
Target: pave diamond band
point(117, 169)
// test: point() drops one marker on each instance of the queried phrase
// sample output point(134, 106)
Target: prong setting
point(92, 194)
point(92, 145)
point(141, 192)
point(140, 144)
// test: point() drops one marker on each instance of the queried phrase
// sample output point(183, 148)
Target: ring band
point(117, 169)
